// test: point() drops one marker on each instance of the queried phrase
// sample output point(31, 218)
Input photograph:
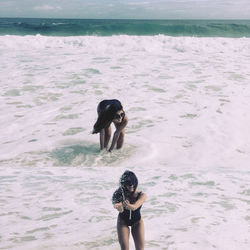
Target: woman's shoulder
point(125, 118)
point(139, 194)
point(124, 121)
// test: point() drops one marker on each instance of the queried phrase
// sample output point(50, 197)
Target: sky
point(127, 9)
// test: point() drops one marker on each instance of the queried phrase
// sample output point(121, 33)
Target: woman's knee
point(124, 246)
point(108, 131)
point(120, 140)
point(138, 235)
point(121, 137)
point(123, 234)
point(139, 244)
point(122, 134)
point(124, 241)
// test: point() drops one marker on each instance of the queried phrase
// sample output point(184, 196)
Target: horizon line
point(142, 19)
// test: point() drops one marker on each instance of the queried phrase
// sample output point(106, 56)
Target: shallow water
point(187, 140)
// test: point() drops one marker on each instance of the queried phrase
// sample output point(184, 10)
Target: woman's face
point(130, 188)
point(119, 116)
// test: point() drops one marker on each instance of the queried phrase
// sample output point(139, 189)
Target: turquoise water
point(101, 27)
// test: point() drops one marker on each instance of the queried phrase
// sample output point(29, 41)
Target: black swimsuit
point(128, 216)
point(135, 216)
point(131, 217)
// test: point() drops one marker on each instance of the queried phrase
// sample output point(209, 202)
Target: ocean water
point(187, 140)
point(108, 27)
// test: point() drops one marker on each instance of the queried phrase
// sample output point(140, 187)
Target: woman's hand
point(119, 207)
point(128, 205)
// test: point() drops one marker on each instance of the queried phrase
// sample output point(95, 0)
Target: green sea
point(109, 27)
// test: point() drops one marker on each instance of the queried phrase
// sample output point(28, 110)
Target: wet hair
point(128, 178)
point(106, 117)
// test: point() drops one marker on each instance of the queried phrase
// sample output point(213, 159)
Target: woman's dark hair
point(128, 178)
point(106, 117)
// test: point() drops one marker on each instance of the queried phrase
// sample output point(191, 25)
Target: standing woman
point(128, 201)
point(110, 111)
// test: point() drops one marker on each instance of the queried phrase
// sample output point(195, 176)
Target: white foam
point(187, 140)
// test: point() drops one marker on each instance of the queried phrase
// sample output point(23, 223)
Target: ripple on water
point(32, 88)
point(189, 116)
point(66, 117)
point(12, 92)
point(75, 154)
point(73, 131)
point(158, 90)
point(134, 109)
point(52, 216)
point(38, 229)
point(92, 71)
point(140, 124)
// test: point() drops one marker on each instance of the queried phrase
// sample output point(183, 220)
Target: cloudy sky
point(137, 9)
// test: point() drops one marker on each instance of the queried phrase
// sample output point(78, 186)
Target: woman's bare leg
point(108, 132)
point(138, 235)
point(102, 137)
point(120, 139)
point(123, 234)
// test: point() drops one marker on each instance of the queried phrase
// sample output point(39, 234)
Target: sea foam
point(187, 140)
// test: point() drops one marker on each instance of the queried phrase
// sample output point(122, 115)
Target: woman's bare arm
point(119, 207)
point(119, 128)
point(137, 204)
